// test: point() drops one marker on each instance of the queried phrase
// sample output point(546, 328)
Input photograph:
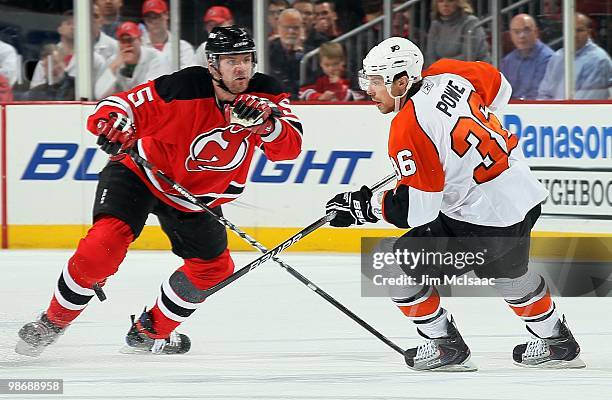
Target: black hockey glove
point(116, 135)
point(352, 208)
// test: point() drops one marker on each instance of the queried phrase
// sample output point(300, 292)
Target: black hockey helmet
point(229, 40)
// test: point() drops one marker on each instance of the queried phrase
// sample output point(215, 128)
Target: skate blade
point(576, 363)
point(466, 366)
point(134, 350)
point(26, 349)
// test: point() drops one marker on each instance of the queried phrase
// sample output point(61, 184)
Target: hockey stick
point(273, 252)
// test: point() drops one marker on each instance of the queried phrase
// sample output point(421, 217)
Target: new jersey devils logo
point(221, 149)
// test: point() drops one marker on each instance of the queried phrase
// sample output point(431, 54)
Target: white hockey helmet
point(389, 58)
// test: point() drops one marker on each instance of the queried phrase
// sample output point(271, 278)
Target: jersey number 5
point(490, 139)
point(138, 98)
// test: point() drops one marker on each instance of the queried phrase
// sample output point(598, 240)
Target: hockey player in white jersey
point(459, 174)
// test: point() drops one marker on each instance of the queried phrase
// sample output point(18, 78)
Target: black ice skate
point(448, 354)
point(555, 353)
point(35, 336)
point(139, 342)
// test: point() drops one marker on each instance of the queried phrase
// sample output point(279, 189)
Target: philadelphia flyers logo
point(221, 149)
point(394, 48)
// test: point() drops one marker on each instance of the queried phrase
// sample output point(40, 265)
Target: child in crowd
point(332, 86)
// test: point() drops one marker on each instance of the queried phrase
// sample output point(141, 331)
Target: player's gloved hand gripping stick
point(268, 254)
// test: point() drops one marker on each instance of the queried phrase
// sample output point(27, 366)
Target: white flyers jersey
point(452, 155)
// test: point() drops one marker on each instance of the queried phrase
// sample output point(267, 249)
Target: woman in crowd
point(447, 36)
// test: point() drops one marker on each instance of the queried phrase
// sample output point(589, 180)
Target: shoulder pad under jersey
point(262, 83)
point(189, 83)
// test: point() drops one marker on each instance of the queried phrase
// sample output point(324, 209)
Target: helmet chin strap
point(398, 99)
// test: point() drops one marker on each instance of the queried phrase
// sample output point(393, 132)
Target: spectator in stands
point(286, 51)
point(52, 85)
point(326, 19)
point(400, 22)
point(8, 63)
point(372, 9)
point(52, 64)
point(401, 26)
point(350, 14)
point(110, 10)
point(104, 45)
point(55, 80)
point(213, 17)
point(6, 91)
point(306, 8)
point(62, 62)
point(524, 67)
point(134, 65)
point(217, 16)
point(332, 86)
point(592, 68)
point(447, 36)
point(311, 38)
point(275, 7)
point(155, 16)
point(65, 50)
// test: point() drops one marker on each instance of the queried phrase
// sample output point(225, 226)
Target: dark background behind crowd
point(528, 42)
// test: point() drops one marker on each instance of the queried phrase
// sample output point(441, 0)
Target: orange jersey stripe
point(425, 308)
point(536, 308)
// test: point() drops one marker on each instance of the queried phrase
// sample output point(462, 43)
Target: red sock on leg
point(97, 256)
point(171, 309)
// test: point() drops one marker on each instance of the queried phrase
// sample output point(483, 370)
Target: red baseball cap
point(128, 28)
point(154, 6)
point(218, 14)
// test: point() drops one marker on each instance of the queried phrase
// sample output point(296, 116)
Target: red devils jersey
point(183, 132)
point(452, 155)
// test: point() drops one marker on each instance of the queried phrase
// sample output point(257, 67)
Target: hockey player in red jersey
point(181, 124)
point(459, 174)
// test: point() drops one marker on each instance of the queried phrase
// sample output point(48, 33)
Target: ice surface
point(267, 336)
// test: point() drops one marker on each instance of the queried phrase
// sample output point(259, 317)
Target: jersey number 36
point(405, 165)
point(494, 142)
